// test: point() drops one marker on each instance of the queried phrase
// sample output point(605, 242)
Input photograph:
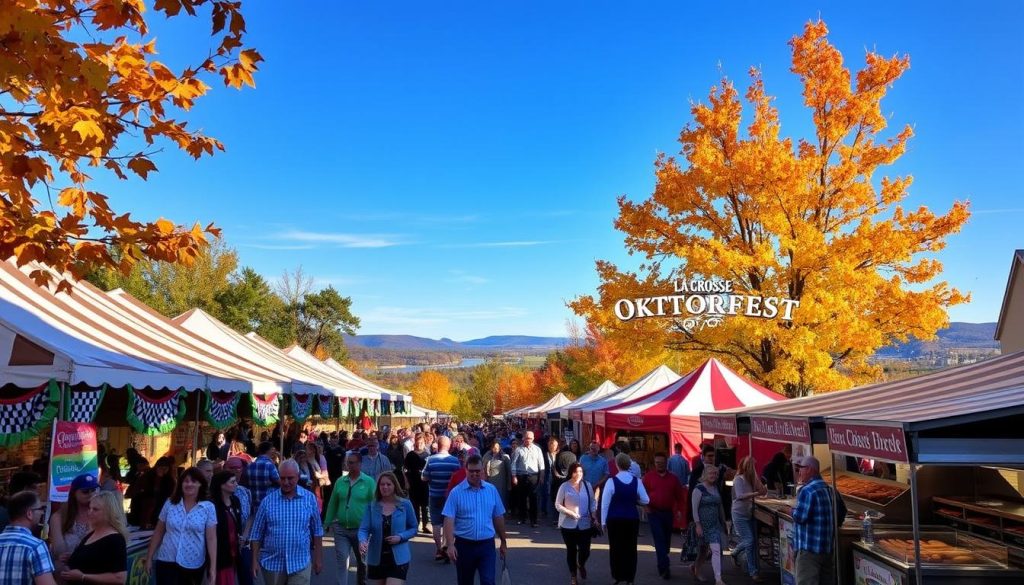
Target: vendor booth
point(571, 415)
point(546, 414)
point(672, 415)
point(930, 467)
point(593, 414)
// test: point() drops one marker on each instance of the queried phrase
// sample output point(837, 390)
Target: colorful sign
point(787, 552)
point(872, 441)
point(137, 573)
point(783, 430)
point(868, 572)
point(73, 451)
point(719, 424)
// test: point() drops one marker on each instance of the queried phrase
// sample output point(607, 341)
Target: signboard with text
point(782, 430)
point(872, 441)
point(719, 424)
point(72, 452)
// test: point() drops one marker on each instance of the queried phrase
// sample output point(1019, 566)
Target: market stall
point(546, 415)
point(593, 414)
point(571, 414)
point(946, 438)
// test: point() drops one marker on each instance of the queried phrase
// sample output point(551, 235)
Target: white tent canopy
point(87, 337)
point(205, 325)
point(607, 388)
point(554, 403)
point(649, 383)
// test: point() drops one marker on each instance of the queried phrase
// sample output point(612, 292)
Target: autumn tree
point(83, 93)
point(809, 219)
point(433, 390)
point(516, 387)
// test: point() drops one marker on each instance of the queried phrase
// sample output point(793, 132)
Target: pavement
point(537, 557)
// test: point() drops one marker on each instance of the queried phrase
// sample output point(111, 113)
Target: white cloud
point(418, 317)
point(344, 240)
point(462, 277)
point(507, 244)
point(411, 218)
point(279, 246)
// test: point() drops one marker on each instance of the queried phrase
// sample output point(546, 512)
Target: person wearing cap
point(70, 524)
point(23, 557)
point(814, 524)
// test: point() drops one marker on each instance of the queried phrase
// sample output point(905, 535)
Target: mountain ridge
point(959, 335)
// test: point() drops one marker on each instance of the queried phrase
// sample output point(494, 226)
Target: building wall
point(1011, 335)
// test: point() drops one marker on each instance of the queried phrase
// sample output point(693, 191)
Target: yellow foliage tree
point(80, 97)
point(516, 388)
point(433, 390)
point(804, 220)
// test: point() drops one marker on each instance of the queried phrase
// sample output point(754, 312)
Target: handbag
point(506, 578)
point(691, 544)
point(595, 528)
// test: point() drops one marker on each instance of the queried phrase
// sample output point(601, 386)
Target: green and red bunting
point(24, 416)
point(265, 409)
point(348, 406)
point(82, 405)
point(155, 412)
point(221, 408)
point(385, 407)
point(326, 406)
point(302, 406)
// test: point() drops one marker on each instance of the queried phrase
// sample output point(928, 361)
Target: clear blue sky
point(453, 166)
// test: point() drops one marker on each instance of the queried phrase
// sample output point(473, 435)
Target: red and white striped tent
point(676, 408)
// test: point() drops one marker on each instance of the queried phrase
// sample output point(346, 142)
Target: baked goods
point(866, 489)
point(932, 551)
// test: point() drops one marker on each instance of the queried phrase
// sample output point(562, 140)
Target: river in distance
point(465, 363)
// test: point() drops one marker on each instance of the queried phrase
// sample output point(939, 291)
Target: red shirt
point(665, 491)
point(455, 480)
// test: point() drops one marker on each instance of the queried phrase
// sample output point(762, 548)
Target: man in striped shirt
point(24, 559)
point(438, 470)
point(473, 515)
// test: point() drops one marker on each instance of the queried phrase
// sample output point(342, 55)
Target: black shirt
point(107, 555)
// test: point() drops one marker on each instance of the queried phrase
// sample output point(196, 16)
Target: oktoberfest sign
point(703, 303)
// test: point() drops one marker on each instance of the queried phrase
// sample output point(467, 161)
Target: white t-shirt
point(184, 541)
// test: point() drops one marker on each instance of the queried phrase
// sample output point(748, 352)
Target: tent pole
point(836, 522)
point(281, 421)
point(916, 522)
point(195, 433)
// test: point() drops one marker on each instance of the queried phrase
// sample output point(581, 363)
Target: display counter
point(138, 544)
point(947, 557)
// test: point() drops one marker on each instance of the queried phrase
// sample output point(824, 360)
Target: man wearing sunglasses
point(23, 557)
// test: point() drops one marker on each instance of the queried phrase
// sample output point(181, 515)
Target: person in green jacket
point(352, 493)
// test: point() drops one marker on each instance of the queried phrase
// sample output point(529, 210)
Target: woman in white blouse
point(185, 535)
point(577, 513)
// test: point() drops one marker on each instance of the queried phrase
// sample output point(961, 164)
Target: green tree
point(249, 304)
point(324, 317)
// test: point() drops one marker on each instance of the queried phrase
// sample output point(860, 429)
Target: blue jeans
point(660, 522)
point(544, 503)
point(475, 556)
point(746, 530)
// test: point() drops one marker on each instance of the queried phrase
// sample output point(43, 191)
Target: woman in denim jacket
point(384, 533)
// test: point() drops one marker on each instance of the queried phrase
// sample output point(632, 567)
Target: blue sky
point(453, 166)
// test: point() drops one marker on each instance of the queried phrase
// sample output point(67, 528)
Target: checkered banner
point(302, 406)
point(221, 408)
point(155, 412)
point(265, 409)
point(326, 406)
point(81, 406)
point(22, 417)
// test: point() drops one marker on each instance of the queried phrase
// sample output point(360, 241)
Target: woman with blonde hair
point(384, 534)
point(745, 487)
point(102, 556)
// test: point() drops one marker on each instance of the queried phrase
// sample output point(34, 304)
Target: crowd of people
point(247, 510)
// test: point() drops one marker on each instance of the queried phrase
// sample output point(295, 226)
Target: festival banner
point(884, 442)
point(73, 451)
point(779, 429)
point(719, 424)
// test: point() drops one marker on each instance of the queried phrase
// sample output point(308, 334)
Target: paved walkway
point(537, 557)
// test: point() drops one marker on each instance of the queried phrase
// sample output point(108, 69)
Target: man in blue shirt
point(473, 515)
point(595, 467)
point(287, 521)
point(679, 466)
point(23, 557)
point(814, 525)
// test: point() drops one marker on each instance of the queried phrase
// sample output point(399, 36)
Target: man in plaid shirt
point(24, 559)
point(261, 476)
point(287, 521)
point(815, 527)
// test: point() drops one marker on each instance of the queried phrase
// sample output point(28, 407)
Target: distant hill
point(492, 343)
point(957, 336)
